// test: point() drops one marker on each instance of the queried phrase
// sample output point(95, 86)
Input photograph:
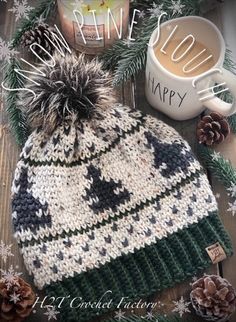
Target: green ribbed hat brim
point(146, 271)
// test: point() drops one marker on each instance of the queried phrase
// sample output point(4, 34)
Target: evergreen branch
point(133, 58)
point(129, 60)
point(157, 318)
point(232, 122)
point(228, 62)
point(43, 9)
point(221, 168)
point(231, 66)
point(13, 80)
point(16, 117)
point(141, 5)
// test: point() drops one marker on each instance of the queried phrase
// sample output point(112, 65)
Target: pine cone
point(16, 300)
point(37, 35)
point(212, 129)
point(213, 298)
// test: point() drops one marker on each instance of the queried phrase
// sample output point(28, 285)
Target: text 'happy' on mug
point(185, 96)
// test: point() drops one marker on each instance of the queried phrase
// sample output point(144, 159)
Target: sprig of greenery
point(17, 119)
point(229, 63)
point(231, 66)
point(232, 122)
point(221, 168)
point(128, 58)
point(157, 318)
point(13, 80)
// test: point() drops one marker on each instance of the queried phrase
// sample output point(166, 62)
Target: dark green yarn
point(221, 230)
point(136, 278)
point(200, 236)
point(214, 230)
point(70, 313)
point(111, 282)
point(123, 278)
point(135, 210)
point(180, 252)
point(151, 266)
point(191, 243)
point(219, 227)
point(173, 265)
point(97, 282)
point(86, 288)
point(159, 265)
point(146, 265)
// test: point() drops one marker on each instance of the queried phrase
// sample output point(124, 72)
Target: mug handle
point(218, 105)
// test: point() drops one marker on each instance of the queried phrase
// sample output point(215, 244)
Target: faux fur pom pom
point(71, 90)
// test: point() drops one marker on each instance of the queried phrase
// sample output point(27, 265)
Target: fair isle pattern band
point(133, 231)
point(98, 196)
point(142, 273)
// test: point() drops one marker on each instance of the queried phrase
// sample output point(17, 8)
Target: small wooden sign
point(216, 253)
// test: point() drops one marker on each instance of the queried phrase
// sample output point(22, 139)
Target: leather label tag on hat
point(216, 253)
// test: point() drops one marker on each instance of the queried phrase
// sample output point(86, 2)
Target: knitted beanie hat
point(109, 205)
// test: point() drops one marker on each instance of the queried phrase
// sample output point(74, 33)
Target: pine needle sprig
point(128, 58)
point(133, 55)
point(42, 10)
point(17, 121)
point(220, 167)
point(157, 318)
point(140, 4)
point(228, 62)
point(230, 65)
point(13, 80)
point(232, 122)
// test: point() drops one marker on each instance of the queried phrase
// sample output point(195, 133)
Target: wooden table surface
point(131, 94)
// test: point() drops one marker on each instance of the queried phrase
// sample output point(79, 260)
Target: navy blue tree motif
point(101, 194)
point(28, 212)
point(174, 155)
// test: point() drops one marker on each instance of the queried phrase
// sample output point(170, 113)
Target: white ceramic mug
point(175, 95)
